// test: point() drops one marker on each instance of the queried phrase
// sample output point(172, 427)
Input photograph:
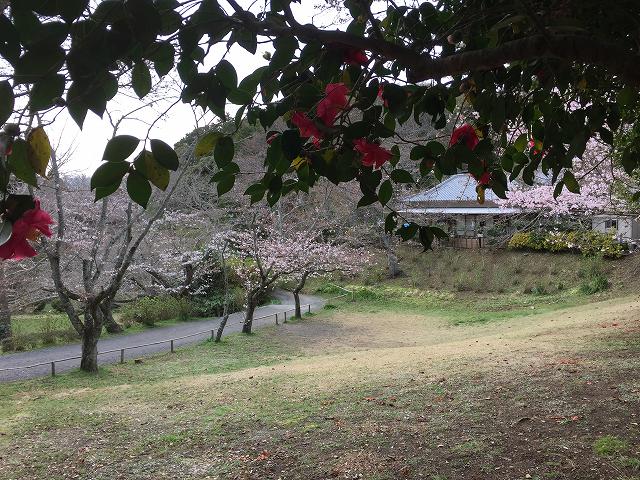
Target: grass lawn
point(365, 390)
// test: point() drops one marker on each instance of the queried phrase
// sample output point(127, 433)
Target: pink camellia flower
point(465, 134)
point(306, 125)
point(373, 155)
point(353, 56)
point(30, 226)
point(334, 101)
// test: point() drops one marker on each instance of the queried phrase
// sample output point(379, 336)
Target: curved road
point(234, 324)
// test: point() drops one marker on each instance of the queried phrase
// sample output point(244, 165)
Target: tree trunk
point(89, 360)
point(248, 317)
point(5, 313)
point(90, 336)
point(223, 323)
point(392, 258)
point(296, 298)
point(106, 307)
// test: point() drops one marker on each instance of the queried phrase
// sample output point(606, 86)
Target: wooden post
point(122, 355)
point(277, 319)
point(53, 369)
point(285, 316)
point(309, 308)
point(213, 335)
point(172, 346)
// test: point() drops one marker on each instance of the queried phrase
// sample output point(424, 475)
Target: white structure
point(626, 227)
point(454, 202)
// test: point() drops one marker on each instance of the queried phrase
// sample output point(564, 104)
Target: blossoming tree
point(604, 188)
point(314, 258)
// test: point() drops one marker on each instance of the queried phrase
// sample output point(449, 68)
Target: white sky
point(88, 144)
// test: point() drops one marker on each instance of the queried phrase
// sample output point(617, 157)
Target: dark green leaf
point(108, 174)
point(367, 199)
point(224, 151)
point(139, 189)
point(141, 79)
point(225, 184)
point(163, 57)
point(285, 48)
point(119, 148)
point(102, 192)
point(36, 64)
point(19, 163)
point(291, 143)
point(558, 189)
point(6, 101)
point(401, 176)
point(391, 222)
point(165, 155)
point(46, 91)
point(227, 74)
point(407, 231)
point(385, 193)
point(570, 181)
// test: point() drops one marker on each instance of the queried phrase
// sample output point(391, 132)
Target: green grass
point(456, 308)
point(610, 445)
point(44, 329)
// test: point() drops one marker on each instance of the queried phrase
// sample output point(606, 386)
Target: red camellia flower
point(484, 179)
point(306, 125)
point(334, 101)
point(381, 96)
point(465, 134)
point(373, 155)
point(30, 226)
point(353, 56)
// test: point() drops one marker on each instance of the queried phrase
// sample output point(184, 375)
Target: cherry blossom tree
point(313, 258)
point(604, 187)
point(260, 261)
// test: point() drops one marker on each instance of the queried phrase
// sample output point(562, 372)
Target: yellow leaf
point(38, 150)
point(297, 162)
point(148, 166)
point(206, 144)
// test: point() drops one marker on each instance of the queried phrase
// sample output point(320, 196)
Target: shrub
point(150, 310)
point(594, 278)
point(213, 305)
point(588, 242)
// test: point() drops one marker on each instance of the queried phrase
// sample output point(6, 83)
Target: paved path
point(148, 336)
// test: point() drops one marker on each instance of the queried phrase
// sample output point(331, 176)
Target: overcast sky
point(88, 144)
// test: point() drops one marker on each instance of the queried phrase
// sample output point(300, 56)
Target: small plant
point(150, 310)
point(539, 289)
point(610, 445)
point(630, 462)
point(594, 279)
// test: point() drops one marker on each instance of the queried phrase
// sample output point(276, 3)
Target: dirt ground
point(357, 394)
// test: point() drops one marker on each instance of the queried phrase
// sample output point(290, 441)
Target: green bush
point(594, 278)
point(150, 310)
point(213, 305)
point(587, 242)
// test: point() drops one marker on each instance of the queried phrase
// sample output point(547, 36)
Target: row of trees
point(113, 250)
